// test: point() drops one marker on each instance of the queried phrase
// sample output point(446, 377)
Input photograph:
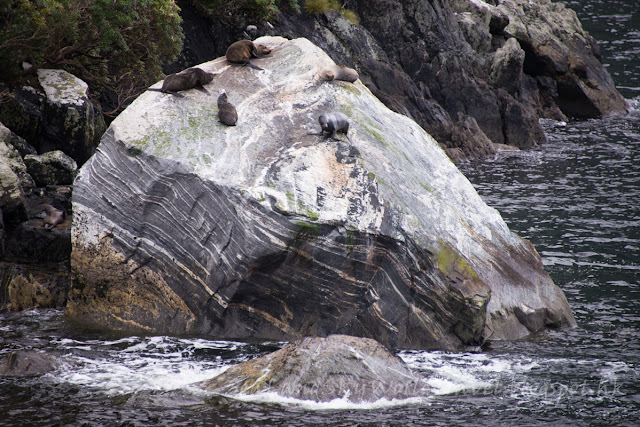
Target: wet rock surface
point(26, 363)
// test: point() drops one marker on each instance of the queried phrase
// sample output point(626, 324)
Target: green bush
point(256, 9)
point(113, 45)
point(319, 6)
point(350, 15)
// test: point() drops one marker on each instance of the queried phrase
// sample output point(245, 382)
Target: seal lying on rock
point(187, 79)
point(338, 72)
point(331, 123)
point(242, 51)
point(54, 216)
point(226, 111)
point(323, 369)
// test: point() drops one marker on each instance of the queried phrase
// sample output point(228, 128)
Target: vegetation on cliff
point(319, 6)
point(116, 47)
point(257, 9)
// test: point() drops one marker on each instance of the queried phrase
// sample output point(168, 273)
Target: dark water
point(577, 199)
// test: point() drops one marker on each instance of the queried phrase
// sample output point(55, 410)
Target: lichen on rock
point(51, 168)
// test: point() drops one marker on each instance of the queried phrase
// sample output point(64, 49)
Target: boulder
point(323, 369)
point(57, 116)
point(261, 230)
point(12, 157)
point(25, 287)
point(23, 112)
point(51, 168)
point(11, 139)
point(24, 292)
point(73, 124)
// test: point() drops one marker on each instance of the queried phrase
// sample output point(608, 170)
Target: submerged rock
point(26, 363)
point(184, 225)
point(323, 369)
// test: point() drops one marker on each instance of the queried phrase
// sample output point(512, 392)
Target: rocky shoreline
point(475, 75)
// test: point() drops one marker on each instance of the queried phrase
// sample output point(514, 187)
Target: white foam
point(136, 374)
point(335, 404)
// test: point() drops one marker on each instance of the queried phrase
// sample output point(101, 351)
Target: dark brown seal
point(184, 80)
point(339, 72)
point(54, 217)
point(226, 111)
point(331, 124)
point(242, 51)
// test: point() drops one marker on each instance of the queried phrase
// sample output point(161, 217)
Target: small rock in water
point(26, 363)
point(323, 369)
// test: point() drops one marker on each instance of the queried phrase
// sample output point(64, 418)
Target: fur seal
point(242, 51)
point(54, 217)
point(226, 111)
point(332, 123)
point(187, 79)
point(339, 72)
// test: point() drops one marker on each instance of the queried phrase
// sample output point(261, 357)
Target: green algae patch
point(313, 216)
point(428, 188)
point(157, 142)
point(350, 240)
point(353, 89)
point(450, 262)
point(306, 232)
point(374, 132)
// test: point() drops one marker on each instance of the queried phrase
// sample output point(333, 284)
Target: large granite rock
point(323, 369)
point(184, 225)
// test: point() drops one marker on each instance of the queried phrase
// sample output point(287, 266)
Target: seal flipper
point(179, 95)
point(254, 66)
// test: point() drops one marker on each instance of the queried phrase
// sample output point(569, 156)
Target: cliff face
point(184, 225)
point(473, 74)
